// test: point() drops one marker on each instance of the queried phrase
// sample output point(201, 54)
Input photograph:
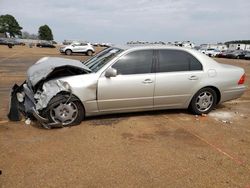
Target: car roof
point(200, 56)
point(159, 46)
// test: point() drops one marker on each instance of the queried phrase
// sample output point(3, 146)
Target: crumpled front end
point(25, 101)
point(43, 83)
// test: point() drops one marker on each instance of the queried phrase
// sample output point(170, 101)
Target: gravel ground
point(169, 148)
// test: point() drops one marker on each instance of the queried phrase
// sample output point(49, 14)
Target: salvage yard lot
point(169, 148)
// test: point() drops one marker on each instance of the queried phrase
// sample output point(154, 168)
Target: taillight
point(242, 79)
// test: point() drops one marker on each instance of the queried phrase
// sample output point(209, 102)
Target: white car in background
point(86, 48)
point(211, 52)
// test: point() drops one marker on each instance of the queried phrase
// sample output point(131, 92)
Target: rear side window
point(137, 62)
point(177, 60)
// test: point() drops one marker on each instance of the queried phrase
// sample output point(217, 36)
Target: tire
point(203, 101)
point(65, 111)
point(68, 52)
point(89, 52)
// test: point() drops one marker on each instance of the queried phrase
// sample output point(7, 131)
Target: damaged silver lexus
point(60, 92)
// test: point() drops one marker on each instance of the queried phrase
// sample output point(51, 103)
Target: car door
point(178, 75)
point(83, 47)
point(76, 47)
point(132, 89)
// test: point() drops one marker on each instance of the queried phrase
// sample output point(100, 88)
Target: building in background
point(219, 46)
point(239, 47)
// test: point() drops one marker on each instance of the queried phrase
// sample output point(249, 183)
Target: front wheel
point(203, 101)
point(68, 52)
point(64, 110)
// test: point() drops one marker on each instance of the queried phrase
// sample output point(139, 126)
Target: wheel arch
point(217, 91)
point(69, 50)
point(72, 95)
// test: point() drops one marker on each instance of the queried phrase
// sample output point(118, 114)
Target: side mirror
point(111, 72)
point(73, 45)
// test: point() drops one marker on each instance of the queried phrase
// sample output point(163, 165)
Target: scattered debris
point(222, 116)
point(28, 121)
point(226, 121)
point(196, 117)
point(201, 157)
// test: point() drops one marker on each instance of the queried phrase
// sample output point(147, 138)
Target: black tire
point(203, 101)
point(65, 111)
point(89, 52)
point(68, 52)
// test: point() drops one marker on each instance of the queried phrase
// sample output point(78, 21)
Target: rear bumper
point(233, 94)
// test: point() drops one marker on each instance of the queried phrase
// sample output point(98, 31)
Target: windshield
point(102, 58)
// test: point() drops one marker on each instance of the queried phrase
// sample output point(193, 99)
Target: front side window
point(75, 44)
point(177, 60)
point(137, 62)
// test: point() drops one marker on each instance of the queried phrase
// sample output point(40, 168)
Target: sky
point(120, 21)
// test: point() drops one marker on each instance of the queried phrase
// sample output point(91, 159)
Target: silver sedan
point(61, 92)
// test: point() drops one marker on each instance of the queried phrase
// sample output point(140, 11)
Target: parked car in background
point(16, 42)
point(237, 54)
point(3, 42)
point(7, 42)
point(86, 48)
point(223, 54)
point(105, 44)
point(61, 92)
point(211, 52)
point(45, 45)
point(247, 55)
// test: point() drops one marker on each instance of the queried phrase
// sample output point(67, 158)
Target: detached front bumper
point(24, 105)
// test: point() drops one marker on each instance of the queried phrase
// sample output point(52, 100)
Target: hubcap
point(204, 101)
point(64, 113)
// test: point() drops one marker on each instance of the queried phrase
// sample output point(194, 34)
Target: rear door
point(132, 89)
point(178, 74)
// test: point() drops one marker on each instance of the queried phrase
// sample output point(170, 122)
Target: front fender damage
point(25, 101)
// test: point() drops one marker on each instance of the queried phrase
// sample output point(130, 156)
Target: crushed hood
point(45, 66)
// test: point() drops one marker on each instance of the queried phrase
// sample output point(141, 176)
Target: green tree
point(9, 24)
point(45, 33)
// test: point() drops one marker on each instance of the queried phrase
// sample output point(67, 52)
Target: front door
point(133, 87)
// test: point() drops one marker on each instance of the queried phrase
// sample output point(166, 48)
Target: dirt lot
point(155, 149)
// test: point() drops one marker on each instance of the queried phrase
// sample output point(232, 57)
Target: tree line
point(9, 24)
point(238, 42)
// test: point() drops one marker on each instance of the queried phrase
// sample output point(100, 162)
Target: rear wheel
point(203, 101)
point(68, 52)
point(89, 52)
point(64, 110)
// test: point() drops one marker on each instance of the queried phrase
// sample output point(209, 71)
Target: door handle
point(147, 81)
point(193, 78)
